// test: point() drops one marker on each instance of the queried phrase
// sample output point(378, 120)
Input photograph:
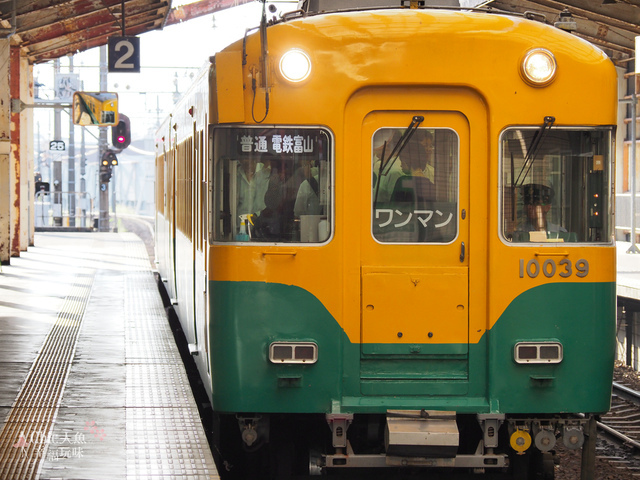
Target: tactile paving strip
point(127, 412)
point(164, 435)
point(34, 410)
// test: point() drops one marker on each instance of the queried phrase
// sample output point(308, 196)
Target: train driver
point(537, 204)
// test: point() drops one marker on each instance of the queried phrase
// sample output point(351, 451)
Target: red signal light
point(121, 133)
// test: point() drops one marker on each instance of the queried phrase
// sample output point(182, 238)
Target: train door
point(414, 253)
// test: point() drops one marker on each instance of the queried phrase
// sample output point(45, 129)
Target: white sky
point(169, 56)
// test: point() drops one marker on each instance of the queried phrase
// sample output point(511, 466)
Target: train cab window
point(556, 185)
point(415, 186)
point(272, 184)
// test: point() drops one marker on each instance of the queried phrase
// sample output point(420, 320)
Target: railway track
point(143, 227)
point(619, 432)
point(623, 420)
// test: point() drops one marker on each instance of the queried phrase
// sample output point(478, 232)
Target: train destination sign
point(276, 143)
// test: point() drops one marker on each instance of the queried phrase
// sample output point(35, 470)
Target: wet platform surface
point(92, 385)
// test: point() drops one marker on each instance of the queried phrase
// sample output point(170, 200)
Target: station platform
point(92, 385)
point(628, 272)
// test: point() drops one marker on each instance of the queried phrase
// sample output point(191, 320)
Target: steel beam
point(198, 9)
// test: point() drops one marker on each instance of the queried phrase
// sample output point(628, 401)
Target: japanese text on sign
point(276, 143)
point(424, 216)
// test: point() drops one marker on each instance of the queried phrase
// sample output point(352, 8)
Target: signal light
point(121, 133)
point(107, 162)
point(109, 159)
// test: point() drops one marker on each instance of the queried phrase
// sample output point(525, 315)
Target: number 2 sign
point(124, 54)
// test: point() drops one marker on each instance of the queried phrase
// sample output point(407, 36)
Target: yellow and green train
point(388, 234)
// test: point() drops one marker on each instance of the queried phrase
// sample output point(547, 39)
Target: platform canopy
point(610, 24)
point(49, 29)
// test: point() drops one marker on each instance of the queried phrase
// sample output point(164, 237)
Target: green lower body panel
point(478, 378)
point(581, 316)
point(246, 318)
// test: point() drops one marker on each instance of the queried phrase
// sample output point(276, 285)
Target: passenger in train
point(411, 202)
point(268, 221)
point(275, 220)
point(388, 173)
point(425, 138)
point(253, 181)
point(413, 188)
point(308, 196)
point(421, 144)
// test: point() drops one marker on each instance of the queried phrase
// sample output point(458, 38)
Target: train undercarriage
point(281, 446)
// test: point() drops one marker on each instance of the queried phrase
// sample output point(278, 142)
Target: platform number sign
point(124, 54)
point(57, 145)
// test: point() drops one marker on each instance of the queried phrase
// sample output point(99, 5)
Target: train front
point(412, 258)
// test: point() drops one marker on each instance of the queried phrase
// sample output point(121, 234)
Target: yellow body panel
point(404, 305)
point(226, 94)
point(372, 68)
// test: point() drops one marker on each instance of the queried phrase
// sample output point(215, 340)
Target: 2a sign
point(57, 145)
point(124, 54)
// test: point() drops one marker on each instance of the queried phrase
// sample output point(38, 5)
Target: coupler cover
point(421, 433)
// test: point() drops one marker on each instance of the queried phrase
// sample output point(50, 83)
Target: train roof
point(320, 6)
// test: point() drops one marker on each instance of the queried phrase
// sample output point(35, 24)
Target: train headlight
point(539, 67)
point(295, 65)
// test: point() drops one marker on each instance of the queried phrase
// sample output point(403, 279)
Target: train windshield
point(272, 184)
point(415, 188)
point(556, 185)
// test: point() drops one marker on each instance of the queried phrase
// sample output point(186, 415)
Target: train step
point(421, 433)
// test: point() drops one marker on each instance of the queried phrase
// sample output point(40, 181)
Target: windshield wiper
point(533, 149)
point(404, 139)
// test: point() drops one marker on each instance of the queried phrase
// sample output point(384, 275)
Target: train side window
point(556, 185)
point(415, 192)
point(272, 185)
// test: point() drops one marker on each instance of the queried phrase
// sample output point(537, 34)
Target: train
point(386, 229)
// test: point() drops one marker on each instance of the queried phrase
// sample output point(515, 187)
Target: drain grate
point(29, 424)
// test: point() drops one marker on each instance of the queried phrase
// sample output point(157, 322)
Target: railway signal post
point(108, 161)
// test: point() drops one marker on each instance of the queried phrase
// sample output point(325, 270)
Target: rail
point(64, 210)
point(619, 429)
point(624, 418)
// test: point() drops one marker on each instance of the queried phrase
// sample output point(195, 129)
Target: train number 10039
point(549, 268)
